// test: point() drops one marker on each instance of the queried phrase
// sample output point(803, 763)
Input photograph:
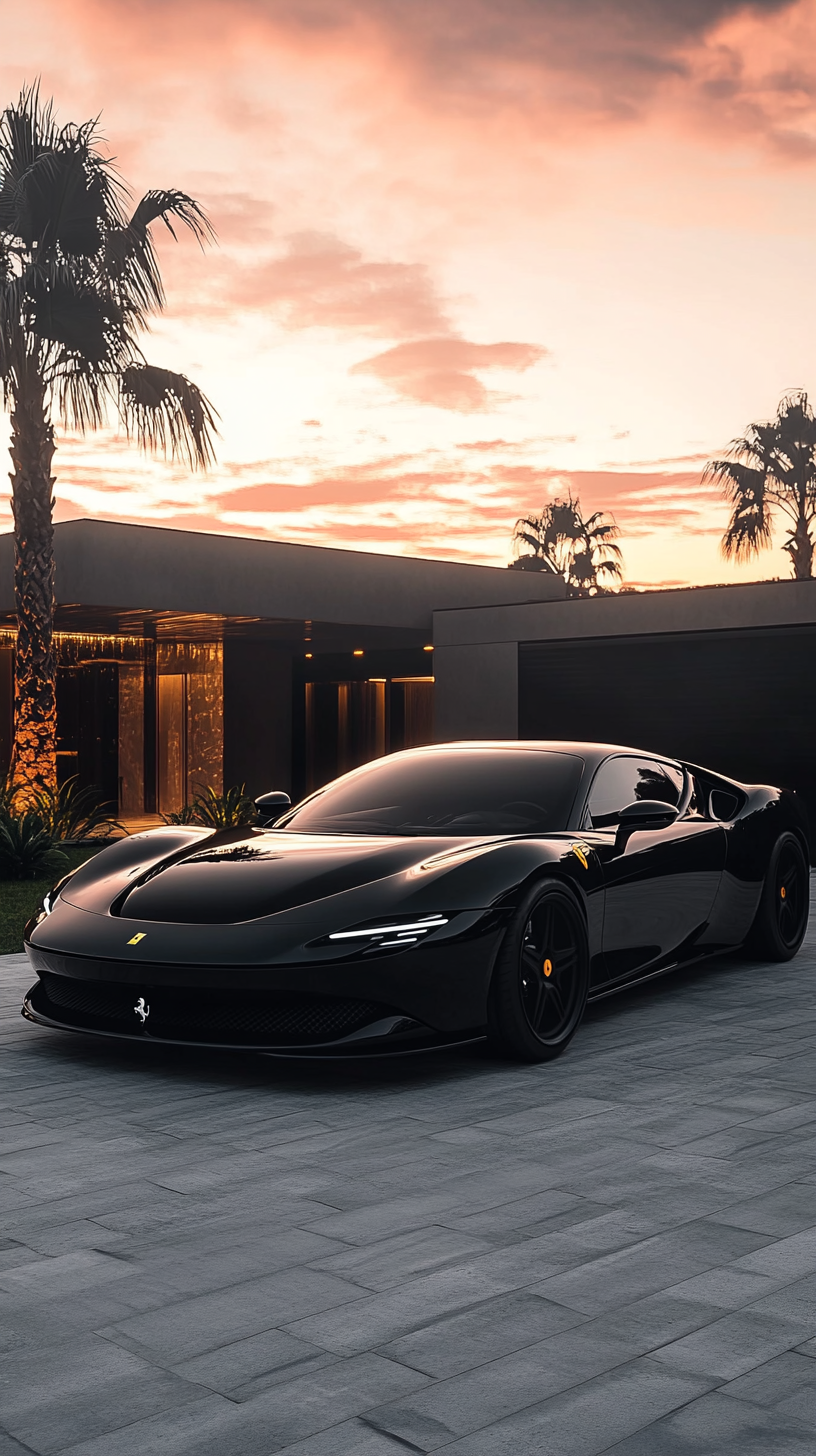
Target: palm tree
point(582, 551)
point(772, 468)
point(79, 279)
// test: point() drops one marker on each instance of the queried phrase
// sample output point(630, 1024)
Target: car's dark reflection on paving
point(430, 897)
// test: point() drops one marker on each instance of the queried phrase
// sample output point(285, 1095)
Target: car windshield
point(458, 792)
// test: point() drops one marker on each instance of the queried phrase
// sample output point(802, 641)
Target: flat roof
point(757, 605)
point(147, 569)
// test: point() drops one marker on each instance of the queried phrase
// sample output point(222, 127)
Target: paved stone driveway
point(226, 1256)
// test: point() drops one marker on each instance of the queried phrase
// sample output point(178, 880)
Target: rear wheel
point(540, 983)
point(782, 917)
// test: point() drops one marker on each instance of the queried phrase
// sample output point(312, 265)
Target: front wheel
point(782, 917)
point(540, 983)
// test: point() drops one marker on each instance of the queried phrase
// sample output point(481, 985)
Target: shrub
point(27, 849)
point(72, 813)
point(187, 815)
point(217, 811)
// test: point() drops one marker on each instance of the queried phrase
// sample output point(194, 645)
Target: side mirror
point(271, 806)
point(644, 814)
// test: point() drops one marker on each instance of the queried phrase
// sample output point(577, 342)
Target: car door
point(660, 883)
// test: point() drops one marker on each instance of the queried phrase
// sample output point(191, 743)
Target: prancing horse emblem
point(142, 1010)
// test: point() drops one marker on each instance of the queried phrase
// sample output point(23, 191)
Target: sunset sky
point(471, 254)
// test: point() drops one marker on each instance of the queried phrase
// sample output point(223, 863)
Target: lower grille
point(253, 1018)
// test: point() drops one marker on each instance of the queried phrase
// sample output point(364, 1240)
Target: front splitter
point(328, 1051)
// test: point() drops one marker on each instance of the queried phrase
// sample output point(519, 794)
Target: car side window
point(620, 781)
point(696, 808)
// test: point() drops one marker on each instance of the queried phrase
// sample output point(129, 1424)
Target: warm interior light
point(308, 654)
point(427, 649)
point(358, 652)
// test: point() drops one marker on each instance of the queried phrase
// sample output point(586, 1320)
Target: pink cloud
point(323, 281)
point(596, 61)
point(444, 371)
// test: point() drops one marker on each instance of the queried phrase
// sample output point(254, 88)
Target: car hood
point(238, 876)
point(192, 897)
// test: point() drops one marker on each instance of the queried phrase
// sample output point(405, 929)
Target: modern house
point(190, 659)
point(723, 676)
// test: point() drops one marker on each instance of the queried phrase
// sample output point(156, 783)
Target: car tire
point(782, 917)
point(541, 979)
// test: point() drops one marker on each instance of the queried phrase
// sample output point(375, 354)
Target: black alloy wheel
point(540, 983)
point(782, 917)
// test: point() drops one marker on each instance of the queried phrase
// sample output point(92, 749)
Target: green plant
point(71, 813)
point(187, 815)
point(217, 811)
point(27, 850)
point(19, 899)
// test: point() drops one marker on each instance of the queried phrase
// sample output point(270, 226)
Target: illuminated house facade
point(188, 659)
point(191, 659)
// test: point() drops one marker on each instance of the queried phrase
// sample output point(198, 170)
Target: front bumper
point(385, 1036)
point(426, 997)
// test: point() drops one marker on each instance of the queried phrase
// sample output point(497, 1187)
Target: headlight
point(396, 934)
point(49, 900)
point(414, 930)
point(44, 908)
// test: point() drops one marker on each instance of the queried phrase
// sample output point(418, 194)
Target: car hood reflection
point(228, 880)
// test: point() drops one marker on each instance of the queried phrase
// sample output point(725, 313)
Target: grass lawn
point(20, 898)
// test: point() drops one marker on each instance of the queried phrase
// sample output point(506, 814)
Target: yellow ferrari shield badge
point(581, 851)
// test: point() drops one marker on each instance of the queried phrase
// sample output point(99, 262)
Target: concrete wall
point(702, 609)
point(104, 564)
point(476, 691)
point(723, 676)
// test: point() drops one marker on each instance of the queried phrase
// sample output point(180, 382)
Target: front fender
point(499, 875)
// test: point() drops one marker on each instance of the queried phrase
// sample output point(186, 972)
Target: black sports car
point(430, 897)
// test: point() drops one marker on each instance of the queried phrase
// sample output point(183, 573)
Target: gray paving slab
point(227, 1256)
point(717, 1426)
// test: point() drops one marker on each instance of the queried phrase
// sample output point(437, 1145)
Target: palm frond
point(737, 480)
point(166, 412)
point(166, 205)
point(84, 389)
point(27, 129)
point(10, 304)
point(82, 319)
point(131, 255)
point(746, 533)
point(133, 269)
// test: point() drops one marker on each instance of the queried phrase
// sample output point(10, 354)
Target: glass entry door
point(172, 741)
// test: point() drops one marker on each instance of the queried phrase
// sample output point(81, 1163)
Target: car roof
point(592, 753)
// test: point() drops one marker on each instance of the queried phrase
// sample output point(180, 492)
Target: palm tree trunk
point(799, 547)
point(34, 757)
